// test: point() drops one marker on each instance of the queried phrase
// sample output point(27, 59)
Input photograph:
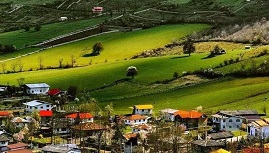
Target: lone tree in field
point(97, 48)
point(188, 47)
point(131, 71)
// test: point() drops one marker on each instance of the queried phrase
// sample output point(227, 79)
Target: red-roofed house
point(45, 115)
point(18, 148)
point(190, 118)
point(54, 92)
point(4, 114)
point(97, 10)
point(136, 119)
point(85, 117)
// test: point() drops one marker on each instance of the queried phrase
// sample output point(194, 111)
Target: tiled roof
point(142, 127)
point(4, 113)
point(59, 148)
point(135, 117)
point(53, 92)
point(220, 135)
point(17, 145)
point(259, 123)
point(143, 106)
point(208, 143)
point(168, 110)
point(19, 120)
point(20, 151)
point(81, 115)
point(188, 114)
point(239, 112)
point(128, 136)
point(88, 126)
point(38, 85)
point(45, 113)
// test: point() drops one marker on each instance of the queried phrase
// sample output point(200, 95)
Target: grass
point(117, 46)
point(27, 1)
point(20, 38)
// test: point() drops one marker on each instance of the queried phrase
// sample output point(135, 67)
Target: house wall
point(231, 123)
point(45, 106)
point(61, 130)
point(19, 125)
point(168, 116)
point(142, 111)
point(258, 131)
point(136, 122)
point(3, 143)
point(37, 90)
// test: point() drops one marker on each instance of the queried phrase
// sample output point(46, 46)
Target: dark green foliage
point(7, 48)
point(37, 27)
point(72, 90)
point(131, 71)
point(188, 47)
point(97, 48)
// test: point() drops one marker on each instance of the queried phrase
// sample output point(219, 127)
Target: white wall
point(38, 90)
point(136, 122)
point(3, 143)
point(142, 111)
point(45, 106)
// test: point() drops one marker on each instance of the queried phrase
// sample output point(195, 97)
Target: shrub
point(225, 62)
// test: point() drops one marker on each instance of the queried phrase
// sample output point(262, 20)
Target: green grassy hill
point(117, 46)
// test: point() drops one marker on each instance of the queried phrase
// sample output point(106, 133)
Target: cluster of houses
point(67, 125)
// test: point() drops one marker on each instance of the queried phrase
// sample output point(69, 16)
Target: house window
point(30, 107)
point(224, 120)
point(40, 90)
point(230, 127)
point(223, 126)
point(230, 120)
point(3, 142)
point(63, 129)
point(237, 120)
point(48, 106)
point(32, 91)
point(35, 107)
point(142, 110)
point(41, 107)
point(238, 126)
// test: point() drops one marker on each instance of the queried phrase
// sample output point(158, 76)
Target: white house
point(227, 123)
point(146, 128)
point(142, 109)
point(37, 105)
point(36, 89)
point(136, 119)
point(258, 128)
point(168, 114)
point(63, 18)
point(3, 141)
point(61, 148)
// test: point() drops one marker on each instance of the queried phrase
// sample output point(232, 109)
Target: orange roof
point(17, 145)
point(188, 114)
point(135, 117)
point(128, 136)
point(45, 113)
point(20, 151)
point(4, 113)
point(142, 127)
point(81, 115)
point(89, 126)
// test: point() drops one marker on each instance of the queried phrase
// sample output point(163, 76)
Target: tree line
point(6, 48)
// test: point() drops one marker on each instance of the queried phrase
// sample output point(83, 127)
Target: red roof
point(45, 113)
point(81, 115)
point(54, 92)
point(188, 114)
point(4, 113)
point(17, 145)
point(20, 151)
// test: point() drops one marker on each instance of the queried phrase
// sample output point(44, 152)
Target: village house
point(45, 115)
point(146, 128)
point(136, 119)
point(97, 10)
point(168, 114)
point(259, 128)
point(3, 142)
point(84, 117)
point(18, 148)
point(232, 120)
point(191, 118)
point(61, 148)
point(20, 122)
point(36, 89)
point(37, 105)
point(4, 115)
point(61, 126)
point(142, 109)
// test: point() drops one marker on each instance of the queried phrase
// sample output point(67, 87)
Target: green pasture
point(96, 75)
point(20, 38)
point(224, 94)
point(117, 46)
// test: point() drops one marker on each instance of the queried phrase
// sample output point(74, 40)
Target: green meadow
point(20, 38)
point(118, 46)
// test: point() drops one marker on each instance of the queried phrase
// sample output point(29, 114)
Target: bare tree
point(40, 62)
point(4, 67)
point(20, 65)
point(73, 60)
point(61, 62)
point(20, 81)
point(13, 66)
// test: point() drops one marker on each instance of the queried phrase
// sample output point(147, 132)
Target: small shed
point(97, 10)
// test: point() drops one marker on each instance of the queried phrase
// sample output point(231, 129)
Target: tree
point(40, 62)
point(72, 90)
point(97, 48)
point(37, 27)
point(61, 62)
point(131, 71)
point(4, 66)
point(188, 47)
point(27, 28)
point(73, 60)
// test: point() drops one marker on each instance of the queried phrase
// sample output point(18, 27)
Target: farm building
point(36, 89)
point(97, 10)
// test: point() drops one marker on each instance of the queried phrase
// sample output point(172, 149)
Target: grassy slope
point(21, 37)
point(27, 1)
point(224, 94)
point(117, 46)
